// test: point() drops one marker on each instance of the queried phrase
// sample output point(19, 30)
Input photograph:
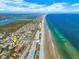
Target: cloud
point(20, 6)
point(63, 8)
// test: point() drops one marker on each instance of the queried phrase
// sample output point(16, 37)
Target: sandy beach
point(47, 46)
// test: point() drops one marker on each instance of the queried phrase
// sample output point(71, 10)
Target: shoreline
point(52, 41)
point(48, 45)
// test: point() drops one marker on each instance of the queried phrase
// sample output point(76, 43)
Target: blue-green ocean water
point(65, 29)
point(67, 24)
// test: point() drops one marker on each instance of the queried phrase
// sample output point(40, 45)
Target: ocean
point(65, 29)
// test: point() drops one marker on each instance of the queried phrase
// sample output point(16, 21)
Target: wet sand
point(49, 49)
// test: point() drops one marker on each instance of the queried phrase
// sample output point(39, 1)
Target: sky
point(49, 2)
point(44, 2)
point(39, 6)
point(69, 1)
